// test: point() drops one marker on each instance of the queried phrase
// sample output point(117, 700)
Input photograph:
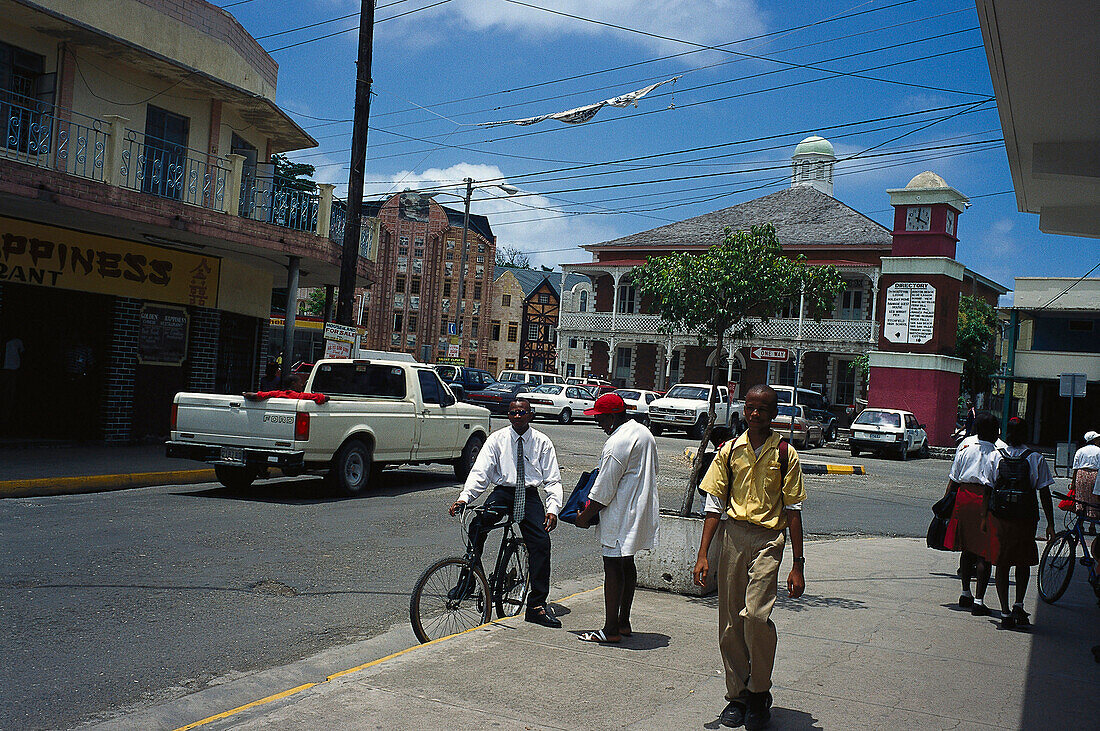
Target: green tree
point(715, 293)
point(977, 331)
point(510, 256)
point(295, 175)
point(315, 301)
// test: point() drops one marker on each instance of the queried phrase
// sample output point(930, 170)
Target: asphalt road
point(134, 597)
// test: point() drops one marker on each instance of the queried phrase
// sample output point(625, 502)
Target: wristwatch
point(799, 560)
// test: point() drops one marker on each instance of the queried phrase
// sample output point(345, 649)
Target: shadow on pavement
point(266, 587)
point(785, 718)
point(313, 490)
point(801, 604)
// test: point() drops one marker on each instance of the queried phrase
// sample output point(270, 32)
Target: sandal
point(598, 637)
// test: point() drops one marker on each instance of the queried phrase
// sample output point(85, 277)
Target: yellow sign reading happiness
point(47, 256)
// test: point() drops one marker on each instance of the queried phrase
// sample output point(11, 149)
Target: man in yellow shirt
point(754, 489)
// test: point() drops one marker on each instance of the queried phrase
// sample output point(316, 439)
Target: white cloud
point(540, 230)
point(708, 22)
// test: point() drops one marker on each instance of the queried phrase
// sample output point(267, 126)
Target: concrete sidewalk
point(876, 643)
point(70, 469)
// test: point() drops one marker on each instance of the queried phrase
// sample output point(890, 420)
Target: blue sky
point(444, 68)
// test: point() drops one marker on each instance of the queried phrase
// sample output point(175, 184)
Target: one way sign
point(776, 354)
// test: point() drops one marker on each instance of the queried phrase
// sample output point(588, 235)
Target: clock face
point(918, 218)
point(950, 222)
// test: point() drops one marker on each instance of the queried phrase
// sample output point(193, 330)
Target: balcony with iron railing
point(105, 150)
point(654, 329)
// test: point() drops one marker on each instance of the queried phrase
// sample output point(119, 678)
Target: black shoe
point(733, 715)
point(542, 616)
point(966, 601)
point(1008, 621)
point(759, 713)
point(979, 610)
point(464, 589)
point(1021, 617)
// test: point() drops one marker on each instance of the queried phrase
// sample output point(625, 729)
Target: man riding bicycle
point(511, 457)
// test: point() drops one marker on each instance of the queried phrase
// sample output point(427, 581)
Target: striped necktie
point(520, 504)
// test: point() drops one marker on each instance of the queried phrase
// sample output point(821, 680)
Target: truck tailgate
point(233, 420)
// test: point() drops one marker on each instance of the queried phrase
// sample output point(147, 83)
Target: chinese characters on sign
point(910, 312)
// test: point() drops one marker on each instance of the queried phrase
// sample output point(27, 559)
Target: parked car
point(796, 424)
point(816, 404)
point(497, 397)
point(888, 430)
point(376, 413)
point(532, 378)
point(685, 408)
point(588, 381)
point(464, 380)
point(637, 402)
point(559, 401)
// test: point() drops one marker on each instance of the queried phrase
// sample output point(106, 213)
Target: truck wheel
point(465, 463)
point(697, 429)
point(656, 429)
point(352, 468)
point(565, 416)
point(235, 478)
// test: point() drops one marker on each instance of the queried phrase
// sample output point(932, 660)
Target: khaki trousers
point(748, 578)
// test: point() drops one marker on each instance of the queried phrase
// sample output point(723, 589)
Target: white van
point(533, 377)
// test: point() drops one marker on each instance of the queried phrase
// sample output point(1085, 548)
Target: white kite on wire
point(585, 113)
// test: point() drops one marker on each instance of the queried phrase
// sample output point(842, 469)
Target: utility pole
point(350, 258)
point(462, 263)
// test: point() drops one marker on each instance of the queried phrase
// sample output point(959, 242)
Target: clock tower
point(913, 367)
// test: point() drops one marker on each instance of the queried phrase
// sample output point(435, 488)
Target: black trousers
point(533, 529)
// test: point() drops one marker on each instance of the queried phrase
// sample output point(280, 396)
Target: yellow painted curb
point(100, 483)
point(349, 671)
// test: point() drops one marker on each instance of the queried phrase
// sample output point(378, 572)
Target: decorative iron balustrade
point(169, 170)
point(580, 323)
point(51, 137)
point(277, 200)
point(338, 221)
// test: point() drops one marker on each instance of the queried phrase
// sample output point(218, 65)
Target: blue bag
point(579, 499)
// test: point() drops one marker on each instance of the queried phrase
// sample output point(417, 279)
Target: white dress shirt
point(627, 485)
point(973, 461)
point(496, 465)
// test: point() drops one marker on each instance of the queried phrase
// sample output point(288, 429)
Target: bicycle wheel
point(1056, 566)
point(449, 597)
point(512, 592)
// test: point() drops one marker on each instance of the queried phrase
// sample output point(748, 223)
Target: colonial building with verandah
point(624, 341)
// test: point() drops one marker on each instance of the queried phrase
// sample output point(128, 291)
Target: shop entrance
point(57, 391)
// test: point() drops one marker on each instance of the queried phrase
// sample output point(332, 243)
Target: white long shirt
point(627, 485)
point(972, 461)
point(496, 465)
point(1087, 457)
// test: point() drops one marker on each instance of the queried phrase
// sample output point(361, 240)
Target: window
point(509, 364)
point(479, 272)
point(789, 309)
point(473, 327)
point(414, 302)
point(449, 269)
point(570, 370)
point(450, 256)
point(402, 264)
point(584, 302)
point(506, 300)
point(513, 333)
point(403, 250)
point(451, 244)
point(403, 242)
point(360, 379)
point(443, 331)
point(494, 330)
point(398, 320)
point(572, 342)
point(412, 322)
point(419, 242)
point(845, 383)
point(544, 298)
point(399, 284)
point(418, 252)
point(410, 342)
point(1080, 326)
point(480, 249)
point(481, 260)
point(414, 285)
point(399, 300)
point(626, 299)
point(477, 291)
point(447, 288)
point(622, 361)
point(165, 151)
point(532, 333)
point(851, 302)
point(446, 304)
point(493, 363)
point(418, 266)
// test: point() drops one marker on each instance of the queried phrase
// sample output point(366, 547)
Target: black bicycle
point(1060, 556)
point(453, 595)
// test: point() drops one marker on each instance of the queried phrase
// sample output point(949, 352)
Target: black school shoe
point(759, 713)
point(543, 617)
point(966, 601)
point(1021, 617)
point(980, 610)
point(733, 715)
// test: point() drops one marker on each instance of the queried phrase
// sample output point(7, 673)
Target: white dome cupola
point(812, 164)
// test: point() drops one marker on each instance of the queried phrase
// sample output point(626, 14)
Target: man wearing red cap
point(625, 497)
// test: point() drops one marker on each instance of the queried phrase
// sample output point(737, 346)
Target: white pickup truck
point(378, 412)
point(685, 408)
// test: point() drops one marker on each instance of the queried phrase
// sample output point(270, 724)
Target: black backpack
point(1013, 494)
